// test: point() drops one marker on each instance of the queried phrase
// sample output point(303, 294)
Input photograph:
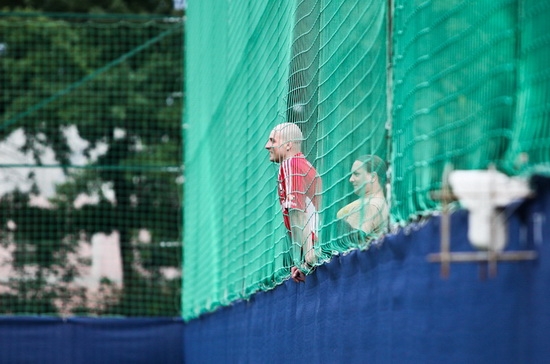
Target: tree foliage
point(119, 85)
point(161, 7)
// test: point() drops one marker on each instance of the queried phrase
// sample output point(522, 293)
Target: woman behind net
point(367, 217)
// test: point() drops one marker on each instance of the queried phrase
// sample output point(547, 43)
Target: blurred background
point(91, 157)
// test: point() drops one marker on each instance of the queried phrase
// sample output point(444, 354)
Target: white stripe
point(288, 177)
point(312, 216)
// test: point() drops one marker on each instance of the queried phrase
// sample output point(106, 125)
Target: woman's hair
point(372, 163)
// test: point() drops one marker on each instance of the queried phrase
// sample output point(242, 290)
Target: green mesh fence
point(320, 65)
point(529, 148)
point(236, 86)
point(419, 85)
point(470, 89)
point(91, 148)
point(454, 84)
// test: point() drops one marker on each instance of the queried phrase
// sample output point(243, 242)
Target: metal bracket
point(446, 257)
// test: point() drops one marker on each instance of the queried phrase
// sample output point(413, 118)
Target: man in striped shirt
point(299, 188)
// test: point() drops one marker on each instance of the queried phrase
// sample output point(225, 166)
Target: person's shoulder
point(378, 201)
point(300, 161)
point(378, 205)
point(348, 209)
point(285, 164)
point(293, 159)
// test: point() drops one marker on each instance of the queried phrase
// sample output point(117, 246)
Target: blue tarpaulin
point(390, 305)
point(384, 305)
point(90, 340)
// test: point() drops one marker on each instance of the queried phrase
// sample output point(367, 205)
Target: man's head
point(285, 141)
point(368, 174)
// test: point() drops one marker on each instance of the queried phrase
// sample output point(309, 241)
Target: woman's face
point(361, 179)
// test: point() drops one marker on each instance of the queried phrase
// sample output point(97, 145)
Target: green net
point(454, 85)
point(320, 65)
point(529, 150)
point(91, 147)
point(237, 82)
point(352, 114)
point(470, 90)
point(412, 86)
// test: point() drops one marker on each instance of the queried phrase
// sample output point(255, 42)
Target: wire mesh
point(421, 85)
point(91, 151)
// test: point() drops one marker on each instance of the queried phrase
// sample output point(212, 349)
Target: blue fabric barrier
point(390, 305)
point(384, 305)
point(44, 340)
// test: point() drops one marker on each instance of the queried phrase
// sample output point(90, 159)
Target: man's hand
point(297, 275)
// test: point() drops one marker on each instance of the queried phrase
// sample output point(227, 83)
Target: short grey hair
point(289, 132)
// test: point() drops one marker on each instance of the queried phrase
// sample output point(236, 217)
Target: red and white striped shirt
point(299, 189)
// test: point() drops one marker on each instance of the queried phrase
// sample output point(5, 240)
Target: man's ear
point(288, 146)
